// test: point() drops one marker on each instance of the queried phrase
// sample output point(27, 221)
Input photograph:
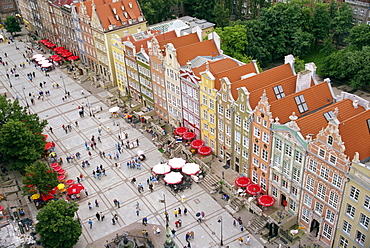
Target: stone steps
point(209, 182)
point(236, 204)
point(258, 224)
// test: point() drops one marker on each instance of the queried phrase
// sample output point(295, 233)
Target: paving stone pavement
point(116, 185)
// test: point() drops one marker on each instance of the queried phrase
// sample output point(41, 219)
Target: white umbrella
point(114, 109)
point(140, 153)
point(173, 178)
point(176, 163)
point(46, 65)
point(40, 58)
point(37, 56)
point(190, 168)
point(161, 169)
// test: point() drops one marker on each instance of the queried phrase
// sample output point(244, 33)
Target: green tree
point(233, 40)
point(359, 36)
point(11, 24)
point(222, 14)
point(40, 176)
point(320, 21)
point(341, 24)
point(57, 226)
point(20, 145)
point(156, 11)
point(255, 7)
point(202, 9)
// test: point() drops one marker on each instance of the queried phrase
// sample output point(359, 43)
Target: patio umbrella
point(190, 168)
point(73, 57)
point(205, 150)
point(161, 169)
point(58, 48)
point(266, 200)
point(54, 165)
point(253, 189)
point(114, 109)
point(127, 116)
point(57, 59)
point(53, 191)
point(48, 145)
point(40, 59)
point(54, 56)
point(66, 54)
point(189, 136)
point(62, 51)
point(181, 130)
point(37, 56)
point(197, 143)
point(61, 177)
point(61, 172)
point(52, 154)
point(242, 181)
point(46, 197)
point(70, 182)
point(35, 196)
point(46, 65)
point(140, 153)
point(176, 163)
point(75, 189)
point(61, 186)
point(57, 168)
point(173, 178)
point(44, 40)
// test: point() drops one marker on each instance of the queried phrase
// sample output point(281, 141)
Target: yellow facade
point(208, 106)
point(119, 64)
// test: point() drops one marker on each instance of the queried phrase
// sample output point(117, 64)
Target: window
point(346, 227)
point(288, 150)
point(327, 231)
point(255, 161)
point(343, 242)
point(286, 168)
point(298, 157)
point(354, 194)
point(275, 177)
point(310, 183)
point(284, 184)
point(279, 92)
point(274, 191)
point(220, 109)
point(204, 100)
point(264, 167)
point(337, 180)
point(237, 136)
point(350, 210)
point(296, 174)
point(333, 199)
point(263, 183)
point(256, 149)
point(237, 149)
point(221, 125)
point(319, 208)
point(328, 116)
point(228, 130)
point(307, 200)
point(321, 153)
point(257, 132)
point(228, 114)
point(330, 140)
point(364, 220)
point(245, 142)
point(265, 137)
point(301, 103)
point(330, 216)
point(333, 159)
point(305, 215)
point(292, 205)
point(278, 144)
point(254, 177)
point(265, 155)
point(242, 108)
point(245, 154)
point(212, 131)
point(205, 114)
point(312, 165)
point(321, 191)
point(367, 202)
point(277, 161)
point(294, 191)
point(360, 238)
point(245, 125)
point(237, 120)
point(211, 104)
point(324, 172)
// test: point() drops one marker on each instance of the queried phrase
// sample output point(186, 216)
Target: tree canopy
point(21, 142)
point(41, 177)
point(11, 24)
point(57, 226)
point(157, 11)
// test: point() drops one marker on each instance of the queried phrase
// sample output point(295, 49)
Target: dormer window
point(301, 103)
point(329, 115)
point(330, 140)
point(279, 92)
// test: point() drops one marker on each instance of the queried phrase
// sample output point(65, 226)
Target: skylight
point(301, 103)
point(329, 115)
point(279, 92)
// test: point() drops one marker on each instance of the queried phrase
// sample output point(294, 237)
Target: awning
point(73, 58)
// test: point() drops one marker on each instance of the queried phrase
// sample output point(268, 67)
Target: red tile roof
point(216, 66)
point(316, 97)
point(355, 133)
point(262, 79)
point(191, 51)
point(181, 41)
point(144, 42)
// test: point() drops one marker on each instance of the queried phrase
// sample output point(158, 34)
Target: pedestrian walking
point(173, 231)
point(89, 153)
point(151, 187)
point(50, 128)
point(175, 212)
point(78, 180)
point(81, 177)
point(179, 211)
point(97, 216)
point(240, 240)
point(102, 216)
point(86, 193)
point(115, 216)
point(145, 221)
point(96, 203)
point(185, 211)
point(137, 142)
point(113, 221)
point(180, 222)
point(137, 205)
point(177, 224)
point(94, 174)
point(90, 223)
point(89, 205)
point(187, 236)
point(247, 240)
point(137, 212)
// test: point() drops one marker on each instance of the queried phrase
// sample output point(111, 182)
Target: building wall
point(119, 65)
point(145, 79)
point(361, 11)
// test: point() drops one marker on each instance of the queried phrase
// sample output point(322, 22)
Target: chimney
point(355, 103)
point(303, 80)
point(312, 67)
point(290, 59)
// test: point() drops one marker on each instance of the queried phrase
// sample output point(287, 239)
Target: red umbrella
point(57, 168)
point(46, 197)
point(266, 200)
point(197, 143)
point(54, 165)
point(61, 177)
point(253, 189)
point(242, 181)
point(181, 130)
point(66, 54)
point(53, 191)
point(62, 51)
point(57, 59)
point(44, 40)
point(204, 150)
point(61, 172)
point(189, 136)
point(73, 57)
point(54, 56)
point(70, 182)
point(48, 145)
point(58, 48)
point(75, 189)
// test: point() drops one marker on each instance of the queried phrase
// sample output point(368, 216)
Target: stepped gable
point(193, 50)
point(314, 122)
point(261, 80)
point(288, 85)
point(315, 97)
point(355, 133)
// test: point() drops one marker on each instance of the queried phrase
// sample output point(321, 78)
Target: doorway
point(283, 200)
point(315, 226)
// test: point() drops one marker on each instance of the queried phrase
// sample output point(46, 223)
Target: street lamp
point(168, 243)
point(25, 96)
point(222, 240)
point(65, 89)
point(88, 105)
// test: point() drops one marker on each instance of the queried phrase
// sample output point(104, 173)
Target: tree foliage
point(222, 14)
point(11, 24)
point(41, 177)
point(57, 226)
point(157, 11)
point(359, 36)
point(21, 142)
